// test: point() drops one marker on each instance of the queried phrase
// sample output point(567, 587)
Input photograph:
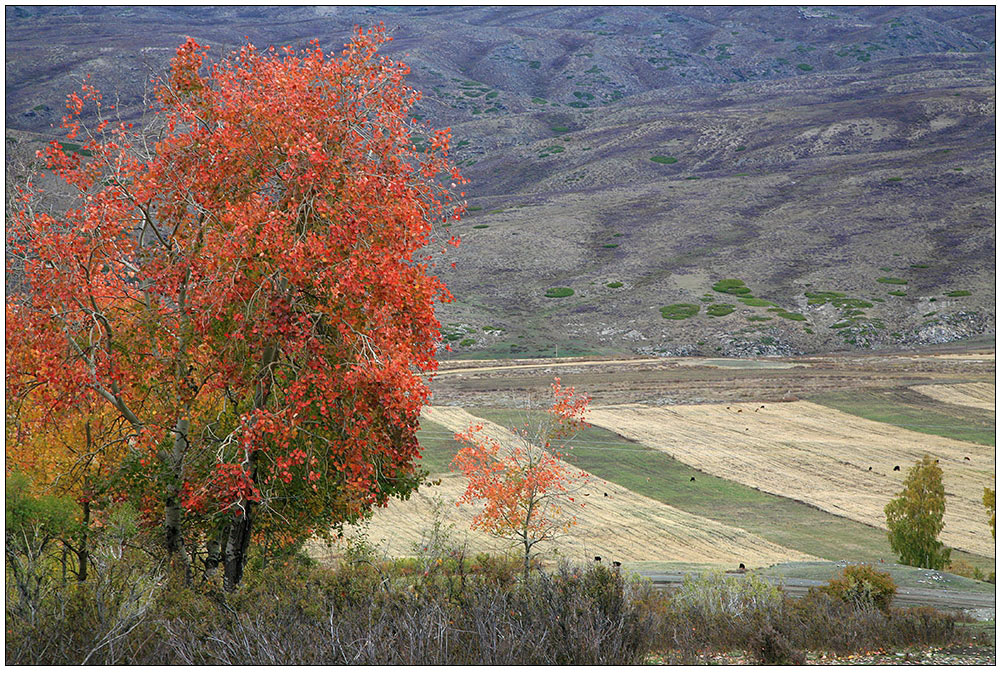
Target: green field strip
point(783, 521)
point(438, 447)
point(911, 410)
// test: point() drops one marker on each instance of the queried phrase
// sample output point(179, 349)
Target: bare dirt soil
point(837, 462)
point(613, 523)
point(698, 380)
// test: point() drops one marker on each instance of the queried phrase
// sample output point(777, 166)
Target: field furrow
point(980, 395)
point(837, 462)
point(621, 526)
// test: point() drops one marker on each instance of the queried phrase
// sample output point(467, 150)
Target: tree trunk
point(173, 510)
point(238, 539)
point(83, 555)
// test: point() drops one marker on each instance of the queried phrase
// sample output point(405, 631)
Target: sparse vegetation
point(892, 281)
point(614, 284)
point(719, 310)
point(558, 292)
point(731, 286)
point(658, 159)
point(791, 316)
point(755, 301)
point(958, 293)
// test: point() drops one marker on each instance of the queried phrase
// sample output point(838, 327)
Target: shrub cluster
point(441, 610)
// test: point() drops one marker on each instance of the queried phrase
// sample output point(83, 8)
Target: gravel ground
point(951, 655)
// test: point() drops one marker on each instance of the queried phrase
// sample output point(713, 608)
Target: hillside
point(838, 162)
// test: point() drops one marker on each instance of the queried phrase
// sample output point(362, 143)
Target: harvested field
point(624, 526)
point(840, 463)
point(980, 395)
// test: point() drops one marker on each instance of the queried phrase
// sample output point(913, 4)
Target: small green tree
point(915, 517)
point(989, 502)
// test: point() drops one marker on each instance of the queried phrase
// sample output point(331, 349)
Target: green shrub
point(614, 284)
point(755, 301)
point(892, 281)
point(481, 226)
point(731, 286)
point(557, 292)
point(679, 311)
point(467, 342)
point(862, 586)
point(658, 159)
point(805, 67)
point(740, 148)
point(898, 293)
point(719, 310)
point(920, 266)
point(959, 293)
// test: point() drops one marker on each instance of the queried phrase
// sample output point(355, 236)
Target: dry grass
point(816, 455)
point(980, 395)
point(624, 526)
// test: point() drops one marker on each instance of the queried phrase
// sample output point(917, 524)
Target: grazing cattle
point(692, 479)
point(762, 407)
point(966, 458)
point(739, 411)
point(869, 469)
point(616, 564)
point(606, 495)
point(897, 468)
point(598, 558)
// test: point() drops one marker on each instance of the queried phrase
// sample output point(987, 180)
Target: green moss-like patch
point(920, 266)
point(658, 159)
point(895, 179)
point(898, 293)
point(755, 301)
point(892, 281)
point(740, 148)
point(679, 311)
point(611, 245)
point(759, 318)
point(557, 292)
point(791, 316)
point(480, 226)
point(559, 129)
point(539, 101)
point(959, 293)
point(731, 286)
point(614, 284)
point(718, 310)
point(467, 342)
point(805, 67)
point(473, 209)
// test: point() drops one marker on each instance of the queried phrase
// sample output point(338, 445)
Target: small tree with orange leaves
point(526, 488)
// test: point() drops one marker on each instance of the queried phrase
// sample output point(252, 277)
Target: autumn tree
point(915, 517)
point(243, 285)
point(525, 487)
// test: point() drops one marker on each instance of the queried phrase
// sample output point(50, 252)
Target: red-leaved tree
point(243, 282)
point(525, 487)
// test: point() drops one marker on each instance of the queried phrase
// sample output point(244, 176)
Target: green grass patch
point(473, 209)
point(577, 104)
point(438, 447)
point(679, 311)
point(805, 67)
point(892, 281)
point(658, 159)
point(693, 177)
point(841, 324)
point(898, 293)
point(611, 245)
point(731, 286)
point(755, 301)
point(759, 318)
point(895, 179)
point(558, 292)
point(911, 410)
point(920, 266)
point(559, 129)
point(614, 284)
point(791, 316)
point(906, 577)
point(535, 65)
point(481, 226)
point(539, 101)
point(740, 148)
point(719, 310)
point(958, 293)
point(467, 342)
